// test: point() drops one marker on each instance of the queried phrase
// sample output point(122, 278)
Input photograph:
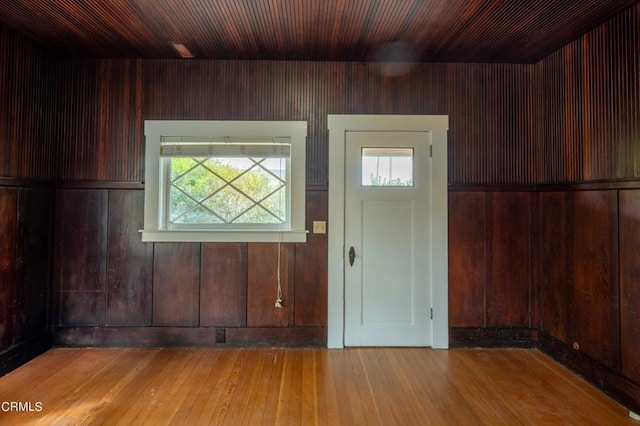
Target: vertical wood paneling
point(176, 284)
point(591, 94)
point(561, 141)
point(595, 275)
point(508, 282)
point(535, 284)
point(554, 245)
point(249, 90)
point(492, 115)
point(495, 116)
point(129, 261)
point(8, 222)
point(611, 128)
point(630, 283)
point(26, 108)
point(321, 84)
point(81, 250)
point(33, 262)
point(311, 266)
point(262, 285)
point(489, 131)
point(74, 129)
point(223, 285)
point(467, 259)
point(119, 127)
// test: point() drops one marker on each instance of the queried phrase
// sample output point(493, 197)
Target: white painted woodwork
point(339, 126)
point(388, 288)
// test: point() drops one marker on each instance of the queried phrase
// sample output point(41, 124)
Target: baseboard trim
point(190, 337)
point(23, 352)
point(614, 385)
point(494, 337)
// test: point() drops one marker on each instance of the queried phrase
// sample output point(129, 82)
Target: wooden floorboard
point(368, 386)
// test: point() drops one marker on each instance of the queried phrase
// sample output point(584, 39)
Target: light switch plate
point(319, 227)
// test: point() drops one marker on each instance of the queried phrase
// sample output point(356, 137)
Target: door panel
point(387, 286)
point(387, 205)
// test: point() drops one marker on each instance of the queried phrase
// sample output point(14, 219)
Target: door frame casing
point(338, 126)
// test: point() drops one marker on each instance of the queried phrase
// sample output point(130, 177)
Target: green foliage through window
point(233, 190)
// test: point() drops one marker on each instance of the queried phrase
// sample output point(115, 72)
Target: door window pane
point(387, 166)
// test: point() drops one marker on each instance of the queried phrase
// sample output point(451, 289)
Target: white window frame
point(156, 181)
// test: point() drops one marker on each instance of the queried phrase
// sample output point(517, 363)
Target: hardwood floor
point(390, 386)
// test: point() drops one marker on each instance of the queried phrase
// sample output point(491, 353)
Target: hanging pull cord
point(279, 293)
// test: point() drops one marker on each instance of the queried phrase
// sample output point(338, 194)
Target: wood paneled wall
point(490, 264)
point(27, 109)
point(8, 211)
point(589, 127)
point(26, 209)
point(101, 136)
point(561, 262)
point(164, 294)
point(101, 139)
point(581, 295)
point(588, 265)
point(595, 275)
point(25, 262)
point(585, 257)
point(492, 111)
point(629, 232)
point(554, 255)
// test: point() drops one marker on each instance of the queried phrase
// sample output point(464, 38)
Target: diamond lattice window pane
point(257, 214)
point(180, 166)
point(228, 203)
point(199, 215)
point(228, 190)
point(258, 183)
point(277, 203)
point(277, 166)
point(180, 203)
point(228, 168)
point(199, 182)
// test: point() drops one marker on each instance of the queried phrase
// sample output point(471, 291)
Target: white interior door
point(387, 239)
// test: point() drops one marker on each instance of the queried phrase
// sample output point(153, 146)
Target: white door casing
point(339, 128)
point(387, 289)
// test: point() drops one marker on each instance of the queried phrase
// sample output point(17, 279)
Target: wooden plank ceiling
point(513, 31)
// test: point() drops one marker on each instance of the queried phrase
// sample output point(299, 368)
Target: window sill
point(208, 236)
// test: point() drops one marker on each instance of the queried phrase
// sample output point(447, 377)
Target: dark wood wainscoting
point(629, 253)
point(555, 267)
point(588, 267)
point(490, 237)
point(25, 259)
point(110, 289)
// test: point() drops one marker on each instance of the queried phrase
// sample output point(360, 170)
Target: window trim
point(155, 130)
